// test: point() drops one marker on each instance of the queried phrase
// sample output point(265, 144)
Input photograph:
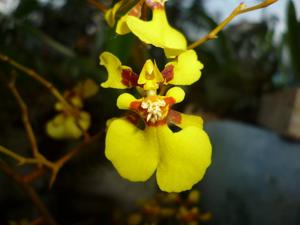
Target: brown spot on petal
point(133, 118)
point(129, 78)
point(168, 73)
point(175, 117)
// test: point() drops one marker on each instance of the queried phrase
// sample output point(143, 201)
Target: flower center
point(154, 109)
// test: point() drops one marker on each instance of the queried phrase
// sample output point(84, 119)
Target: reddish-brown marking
point(129, 78)
point(135, 105)
point(136, 10)
point(154, 5)
point(170, 101)
point(175, 117)
point(168, 73)
point(157, 123)
point(133, 118)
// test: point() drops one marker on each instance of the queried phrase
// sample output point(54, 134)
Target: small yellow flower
point(66, 126)
point(181, 158)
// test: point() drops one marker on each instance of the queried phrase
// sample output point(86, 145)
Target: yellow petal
point(158, 32)
point(186, 70)
point(132, 151)
point(122, 27)
point(114, 69)
point(124, 100)
point(184, 120)
point(109, 17)
point(65, 127)
point(184, 158)
point(177, 93)
point(172, 53)
point(110, 14)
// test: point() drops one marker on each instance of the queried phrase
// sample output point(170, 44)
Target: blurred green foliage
point(293, 38)
point(238, 66)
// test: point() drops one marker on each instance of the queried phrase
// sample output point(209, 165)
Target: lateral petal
point(133, 152)
point(186, 70)
point(184, 158)
point(119, 76)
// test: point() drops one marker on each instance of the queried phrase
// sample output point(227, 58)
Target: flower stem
point(25, 118)
point(33, 74)
point(237, 11)
point(98, 5)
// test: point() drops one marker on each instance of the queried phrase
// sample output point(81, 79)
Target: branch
point(74, 151)
point(237, 11)
point(40, 161)
point(21, 160)
point(62, 161)
point(25, 118)
point(30, 192)
point(31, 73)
point(98, 5)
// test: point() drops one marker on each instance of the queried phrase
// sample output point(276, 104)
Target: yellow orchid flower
point(121, 27)
point(137, 149)
point(158, 31)
point(66, 126)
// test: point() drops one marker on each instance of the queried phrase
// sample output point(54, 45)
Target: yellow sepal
point(122, 27)
point(110, 14)
point(158, 32)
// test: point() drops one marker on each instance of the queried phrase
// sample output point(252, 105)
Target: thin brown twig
point(25, 118)
point(24, 160)
point(237, 11)
point(30, 192)
point(75, 150)
point(68, 107)
point(20, 159)
point(98, 5)
point(33, 74)
point(61, 161)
